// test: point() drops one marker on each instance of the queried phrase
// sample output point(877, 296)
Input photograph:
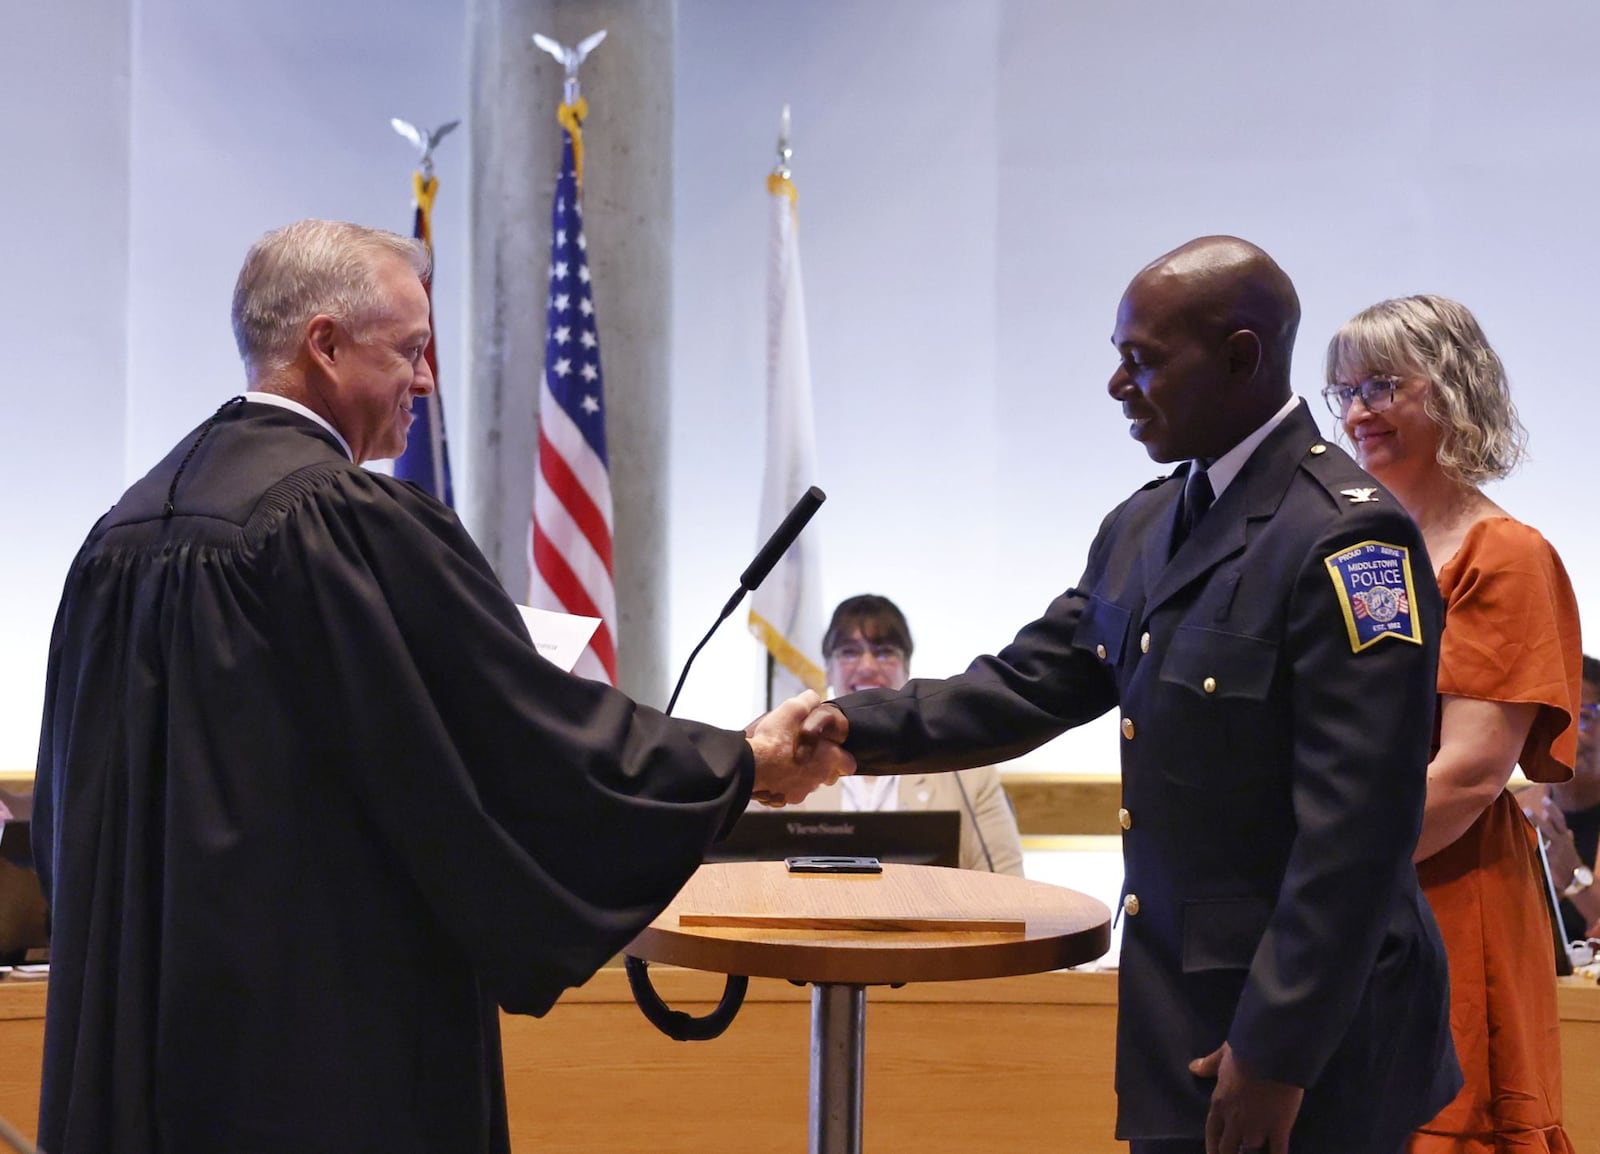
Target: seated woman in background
point(1568, 815)
point(1424, 401)
point(868, 646)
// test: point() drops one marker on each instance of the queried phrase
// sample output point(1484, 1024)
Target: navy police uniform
point(1276, 680)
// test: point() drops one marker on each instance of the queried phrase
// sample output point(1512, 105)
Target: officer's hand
point(825, 724)
point(1247, 1113)
point(787, 768)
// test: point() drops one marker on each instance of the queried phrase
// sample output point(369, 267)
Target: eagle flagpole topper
point(425, 142)
point(570, 59)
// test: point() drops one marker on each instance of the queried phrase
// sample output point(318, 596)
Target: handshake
point(798, 746)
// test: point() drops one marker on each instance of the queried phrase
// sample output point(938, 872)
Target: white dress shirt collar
point(1225, 468)
point(297, 407)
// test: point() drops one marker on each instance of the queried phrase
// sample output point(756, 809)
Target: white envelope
point(560, 638)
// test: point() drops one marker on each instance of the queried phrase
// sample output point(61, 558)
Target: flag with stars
point(570, 539)
point(786, 612)
point(426, 460)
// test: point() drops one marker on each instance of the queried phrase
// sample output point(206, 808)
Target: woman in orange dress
point(1423, 400)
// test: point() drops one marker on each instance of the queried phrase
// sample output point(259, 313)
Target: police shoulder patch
point(1373, 583)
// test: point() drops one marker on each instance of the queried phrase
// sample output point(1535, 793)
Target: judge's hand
point(1247, 1113)
point(786, 772)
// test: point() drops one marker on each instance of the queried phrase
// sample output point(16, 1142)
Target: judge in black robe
point(310, 806)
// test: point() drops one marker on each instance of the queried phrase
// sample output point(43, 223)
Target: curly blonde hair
point(1439, 339)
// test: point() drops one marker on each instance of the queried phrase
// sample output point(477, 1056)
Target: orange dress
point(1511, 635)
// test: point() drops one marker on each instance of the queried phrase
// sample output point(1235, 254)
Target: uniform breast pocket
point(1220, 689)
point(1102, 630)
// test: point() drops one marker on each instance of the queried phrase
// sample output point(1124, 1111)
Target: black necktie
point(1197, 498)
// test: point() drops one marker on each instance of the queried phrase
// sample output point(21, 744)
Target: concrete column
point(515, 144)
point(513, 140)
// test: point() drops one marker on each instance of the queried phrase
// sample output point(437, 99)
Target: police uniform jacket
point(1276, 715)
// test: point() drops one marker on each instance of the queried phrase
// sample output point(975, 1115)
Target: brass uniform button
point(1144, 643)
point(1127, 728)
point(1209, 685)
point(1318, 450)
point(1100, 652)
point(1130, 905)
point(1124, 819)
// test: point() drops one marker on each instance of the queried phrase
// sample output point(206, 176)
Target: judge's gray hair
point(1439, 339)
point(312, 266)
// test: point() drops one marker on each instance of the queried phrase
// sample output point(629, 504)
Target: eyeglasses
point(850, 653)
point(1587, 713)
point(1377, 393)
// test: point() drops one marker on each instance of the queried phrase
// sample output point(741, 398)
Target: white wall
point(161, 138)
point(978, 182)
point(898, 219)
point(247, 116)
point(63, 308)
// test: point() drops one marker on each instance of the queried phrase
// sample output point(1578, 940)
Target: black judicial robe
point(1274, 761)
point(310, 806)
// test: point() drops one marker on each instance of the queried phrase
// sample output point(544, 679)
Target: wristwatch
point(1582, 879)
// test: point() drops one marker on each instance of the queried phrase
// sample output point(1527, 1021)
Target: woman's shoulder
point(1503, 563)
point(1502, 530)
point(1501, 541)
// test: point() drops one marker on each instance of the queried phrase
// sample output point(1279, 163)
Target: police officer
point(1280, 972)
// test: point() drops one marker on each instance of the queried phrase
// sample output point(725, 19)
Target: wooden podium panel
point(1004, 1064)
point(1018, 1063)
point(1007, 1064)
point(21, 1052)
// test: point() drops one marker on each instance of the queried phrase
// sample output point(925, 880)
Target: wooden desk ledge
point(1064, 803)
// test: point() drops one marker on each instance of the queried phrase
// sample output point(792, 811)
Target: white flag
point(786, 612)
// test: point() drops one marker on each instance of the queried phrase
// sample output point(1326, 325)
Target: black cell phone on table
point(822, 863)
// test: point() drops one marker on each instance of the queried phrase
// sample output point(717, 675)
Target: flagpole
point(785, 611)
point(571, 530)
point(426, 459)
point(780, 169)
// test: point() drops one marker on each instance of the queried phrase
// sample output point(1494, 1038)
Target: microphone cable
point(983, 842)
point(676, 1024)
point(12, 1137)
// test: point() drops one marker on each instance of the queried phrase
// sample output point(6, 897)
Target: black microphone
point(756, 572)
point(782, 537)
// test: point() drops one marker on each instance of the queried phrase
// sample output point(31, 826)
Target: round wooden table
point(843, 932)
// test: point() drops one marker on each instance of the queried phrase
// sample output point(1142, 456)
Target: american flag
point(570, 542)
point(426, 460)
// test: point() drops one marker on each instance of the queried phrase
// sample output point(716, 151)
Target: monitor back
point(920, 837)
